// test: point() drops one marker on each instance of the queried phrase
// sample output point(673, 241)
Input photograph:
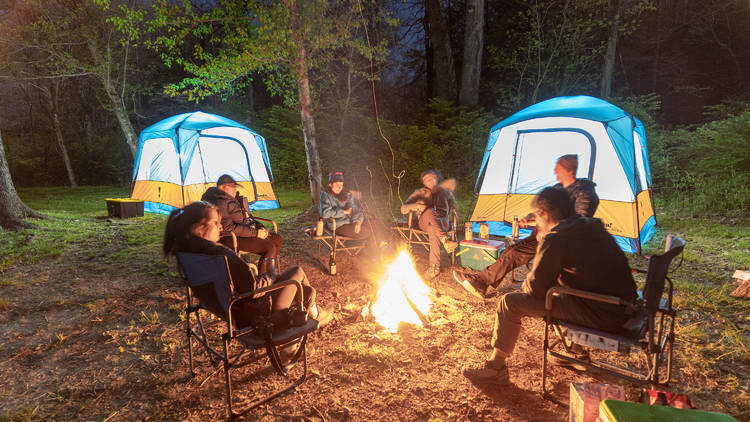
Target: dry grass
point(92, 327)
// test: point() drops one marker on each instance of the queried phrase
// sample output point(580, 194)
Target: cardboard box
point(622, 411)
point(478, 254)
point(124, 207)
point(585, 398)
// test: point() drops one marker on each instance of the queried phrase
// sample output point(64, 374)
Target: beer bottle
point(332, 265)
point(515, 227)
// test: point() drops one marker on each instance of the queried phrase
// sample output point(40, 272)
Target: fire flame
point(391, 306)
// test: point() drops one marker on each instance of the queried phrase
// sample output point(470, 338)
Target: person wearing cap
point(251, 235)
point(433, 202)
point(585, 200)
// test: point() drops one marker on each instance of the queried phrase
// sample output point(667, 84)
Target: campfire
point(402, 296)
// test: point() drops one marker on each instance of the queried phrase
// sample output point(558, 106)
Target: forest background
point(80, 79)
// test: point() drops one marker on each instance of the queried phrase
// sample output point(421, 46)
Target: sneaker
point(431, 272)
point(488, 372)
point(449, 245)
point(323, 316)
point(471, 283)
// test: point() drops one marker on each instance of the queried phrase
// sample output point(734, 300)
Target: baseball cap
point(226, 179)
point(336, 176)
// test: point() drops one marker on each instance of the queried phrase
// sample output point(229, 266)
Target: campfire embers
point(402, 296)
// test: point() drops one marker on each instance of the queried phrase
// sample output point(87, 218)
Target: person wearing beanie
point(339, 204)
point(585, 200)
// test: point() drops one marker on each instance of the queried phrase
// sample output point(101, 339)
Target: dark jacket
point(581, 254)
point(441, 200)
point(333, 206)
point(231, 213)
point(583, 193)
point(243, 281)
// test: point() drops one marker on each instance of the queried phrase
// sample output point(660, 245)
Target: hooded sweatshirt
point(579, 253)
point(583, 194)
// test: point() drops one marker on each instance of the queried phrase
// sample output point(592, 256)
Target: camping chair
point(202, 270)
point(334, 242)
point(241, 253)
point(650, 330)
point(412, 235)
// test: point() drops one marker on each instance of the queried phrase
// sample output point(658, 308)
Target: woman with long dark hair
point(196, 229)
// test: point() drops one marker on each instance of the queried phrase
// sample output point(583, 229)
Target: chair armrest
point(558, 290)
point(268, 220)
point(262, 291)
point(638, 271)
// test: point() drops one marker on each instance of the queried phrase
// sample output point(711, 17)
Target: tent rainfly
point(611, 146)
point(180, 157)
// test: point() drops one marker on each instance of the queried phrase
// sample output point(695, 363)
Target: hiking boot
point(449, 245)
point(471, 283)
point(576, 351)
point(432, 272)
point(489, 372)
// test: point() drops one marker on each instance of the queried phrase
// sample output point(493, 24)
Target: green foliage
point(707, 169)
point(282, 129)
point(450, 139)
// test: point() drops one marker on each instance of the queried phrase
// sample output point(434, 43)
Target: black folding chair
point(334, 242)
point(244, 254)
point(410, 233)
point(209, 276)
point(650, 330)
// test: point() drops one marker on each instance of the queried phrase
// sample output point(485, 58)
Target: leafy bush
point(705, 170)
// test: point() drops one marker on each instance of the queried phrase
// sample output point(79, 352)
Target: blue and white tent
point(611, 146)
point(180, 157)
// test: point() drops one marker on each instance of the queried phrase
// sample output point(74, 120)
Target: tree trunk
point(308, 127)
point(52, 102)
point(473, 50)
point(609, 58)
point(445, 72)
point(428, 56)
point(12, 209)
point(115, 101)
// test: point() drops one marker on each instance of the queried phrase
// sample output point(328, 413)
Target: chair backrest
point(200, 271)
point(658, 267)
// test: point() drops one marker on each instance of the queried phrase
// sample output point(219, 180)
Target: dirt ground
point(81, 342)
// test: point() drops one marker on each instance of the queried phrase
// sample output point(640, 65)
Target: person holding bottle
point(585, 200)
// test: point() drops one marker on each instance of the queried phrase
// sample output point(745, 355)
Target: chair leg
point(227, 376)
point(189, 333)
point(544, 358)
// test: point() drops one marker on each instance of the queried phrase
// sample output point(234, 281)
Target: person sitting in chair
point(433, 202)
point(520, 253)
point(251, 235)
point(575, 252)
point(195, 229)
point(340, 205)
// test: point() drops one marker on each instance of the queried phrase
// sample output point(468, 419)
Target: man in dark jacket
point(575, 252)
point(585, 202)
point(251, 235)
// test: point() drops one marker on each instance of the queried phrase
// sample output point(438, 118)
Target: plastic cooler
point(478, 254)
point(622, 411)
point(124, 207)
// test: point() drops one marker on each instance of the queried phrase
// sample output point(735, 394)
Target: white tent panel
point(159, 161)
point(641, 171)
point(541, 142)
point(537, 153)
point(257, 166)
point(214, 157)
